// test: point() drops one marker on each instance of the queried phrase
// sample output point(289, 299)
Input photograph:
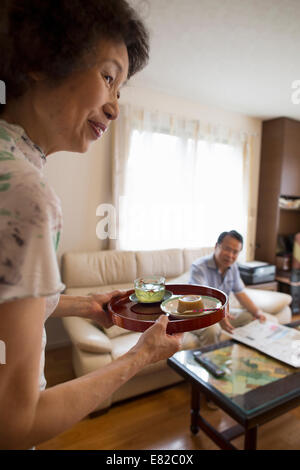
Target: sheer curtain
point(178, 183)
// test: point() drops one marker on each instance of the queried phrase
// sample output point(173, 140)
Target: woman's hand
point(97, 309)
point(155, 344)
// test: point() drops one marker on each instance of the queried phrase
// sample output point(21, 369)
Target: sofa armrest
point(269, 301)
point(86, 336)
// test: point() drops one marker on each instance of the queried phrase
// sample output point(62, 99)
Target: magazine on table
point(278, 341)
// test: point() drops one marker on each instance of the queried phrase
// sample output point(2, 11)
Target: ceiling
point(239, 55)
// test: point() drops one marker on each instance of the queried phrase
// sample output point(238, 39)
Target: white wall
point(84, 181)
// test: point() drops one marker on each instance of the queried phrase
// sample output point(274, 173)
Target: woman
point(63, 64)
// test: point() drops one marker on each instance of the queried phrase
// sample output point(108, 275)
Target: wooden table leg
point(195, 408)
point(251, 438)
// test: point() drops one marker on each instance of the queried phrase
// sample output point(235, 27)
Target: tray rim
point(175, 325)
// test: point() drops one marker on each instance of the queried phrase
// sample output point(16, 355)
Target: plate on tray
point(169, 306)
point(139, 317)
point(167, 295)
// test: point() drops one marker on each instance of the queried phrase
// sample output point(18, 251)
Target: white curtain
point(179, 183)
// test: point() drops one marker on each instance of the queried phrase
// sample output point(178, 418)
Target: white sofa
point(104, 271)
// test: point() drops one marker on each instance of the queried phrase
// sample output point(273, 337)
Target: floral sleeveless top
point(30, 225)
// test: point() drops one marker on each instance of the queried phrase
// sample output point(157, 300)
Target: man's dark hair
point(232, 234)
point(53, 37)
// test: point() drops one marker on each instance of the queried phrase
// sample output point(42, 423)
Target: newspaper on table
point(278, 341)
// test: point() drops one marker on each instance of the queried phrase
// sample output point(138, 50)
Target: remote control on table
point(207, 364)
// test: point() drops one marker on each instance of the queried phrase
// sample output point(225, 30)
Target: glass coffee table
point(254, 390)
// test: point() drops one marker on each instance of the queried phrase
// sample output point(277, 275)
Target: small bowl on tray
point(166, 296)
point(149, 290)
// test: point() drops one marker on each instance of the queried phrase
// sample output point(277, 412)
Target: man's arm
point(246, 302)
point(29, 416)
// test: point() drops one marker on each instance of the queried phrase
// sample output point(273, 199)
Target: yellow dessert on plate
point(190, 303)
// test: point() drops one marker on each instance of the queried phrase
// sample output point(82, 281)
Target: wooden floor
point(156, 421)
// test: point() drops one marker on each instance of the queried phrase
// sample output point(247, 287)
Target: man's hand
point(97, 310)
point(225, 323)
point(250, 306)
point(260, 316)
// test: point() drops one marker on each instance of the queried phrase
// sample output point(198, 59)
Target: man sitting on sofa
point(220, 271)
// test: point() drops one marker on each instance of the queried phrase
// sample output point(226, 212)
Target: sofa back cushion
point(100, 268)
point(191, 254)
point(111, 267)
point(168, 263)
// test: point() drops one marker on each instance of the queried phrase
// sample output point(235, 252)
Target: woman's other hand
point(155, 344)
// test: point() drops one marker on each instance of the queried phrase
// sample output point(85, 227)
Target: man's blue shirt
point(204, 271)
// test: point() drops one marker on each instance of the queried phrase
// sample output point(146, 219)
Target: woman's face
point(78, 112)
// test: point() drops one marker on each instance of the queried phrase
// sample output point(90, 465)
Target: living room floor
point(156, 421)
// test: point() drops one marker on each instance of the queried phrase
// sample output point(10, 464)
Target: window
point(180, 192)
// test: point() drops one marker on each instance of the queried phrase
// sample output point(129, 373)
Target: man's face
point(227, 252)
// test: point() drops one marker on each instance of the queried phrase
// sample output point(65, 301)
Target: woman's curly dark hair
point(54, 36)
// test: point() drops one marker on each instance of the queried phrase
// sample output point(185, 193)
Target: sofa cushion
point(182, 279)
point(115, 331)
point(85, 336)
point(85, 362)
point(101, 268)
point(123, 343)
point(284, 316)
point(269, 301)
point(191, 254)
point(167, 263)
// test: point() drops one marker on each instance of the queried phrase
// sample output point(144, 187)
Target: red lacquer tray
point(134, 316)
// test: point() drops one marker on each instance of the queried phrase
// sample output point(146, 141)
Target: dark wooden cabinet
point(290, 178)
point(279, 176)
